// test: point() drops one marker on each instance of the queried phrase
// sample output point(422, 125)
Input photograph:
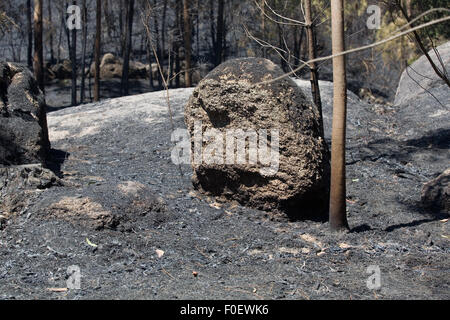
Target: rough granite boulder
point(421, 89)
point(419, 79)
point(436, 193)
point(112, 67)
point(294, 178)
point(23, 122)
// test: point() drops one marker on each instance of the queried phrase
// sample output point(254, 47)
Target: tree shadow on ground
point(403, 151)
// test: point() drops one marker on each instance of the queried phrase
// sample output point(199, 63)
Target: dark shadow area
point(436, 144)
point(409, 224)
point(360, 229)
point(55, 160)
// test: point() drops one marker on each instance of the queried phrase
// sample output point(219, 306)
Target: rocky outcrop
point(23, 122)
point(258, 144)
point(18, 185)
point(419, 79)
point(436, 193)
point(421, 95)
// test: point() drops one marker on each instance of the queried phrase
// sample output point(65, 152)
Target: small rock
point(436, 193)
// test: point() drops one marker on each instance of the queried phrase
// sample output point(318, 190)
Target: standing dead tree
point(30, 35)
point(83, 51)
point(128, 46)
point(38, 60)
point(338, 215)
point(187, 43)
point(98, 36)
point(315, 90)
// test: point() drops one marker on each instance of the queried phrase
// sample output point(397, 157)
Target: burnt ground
point(236, 252)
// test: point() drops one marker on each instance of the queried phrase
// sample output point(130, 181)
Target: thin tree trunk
point(50, 20)
point(83, 50)
point(149, 59)
point(197, 27)
point(30, 35)
point(315, 90)
point(338, 215)
point(163, 34)
point(158, 45)
point(61, 29)
point(38, 61)
point(126, 58)
point(98, 36)
point(187, 43)
point(73, 58)
point(178, 27)
point(263, 26)
point(220, 33)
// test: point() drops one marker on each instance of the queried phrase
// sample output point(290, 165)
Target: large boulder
point(23, 122)
point(423, 98)
point(294, 178)
point(61, 70)
point(436, 193)
point(419, 79)
point(112, 67)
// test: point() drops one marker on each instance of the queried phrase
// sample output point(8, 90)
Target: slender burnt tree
point(30, 35)
point(50, 23)
point(83, 51)
point(38, 60)
point(127, 51)
point(187, 43)
point(98, 35)
point(73, 59)
point(220, 33)
point(338, 215)
point(315, 90)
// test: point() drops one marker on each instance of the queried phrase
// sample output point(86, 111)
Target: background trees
point(193, 36)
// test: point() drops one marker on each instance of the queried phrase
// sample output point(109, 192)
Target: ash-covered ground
point(136, 228)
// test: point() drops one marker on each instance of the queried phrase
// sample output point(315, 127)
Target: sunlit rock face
point(259, 144)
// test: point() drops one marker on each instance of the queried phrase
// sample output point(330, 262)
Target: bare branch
point(433, 22)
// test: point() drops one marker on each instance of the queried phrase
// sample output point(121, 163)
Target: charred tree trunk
point(338, 215)
point(187, 43)
point(73, 58)
point(127, 51)
point(220, 34)
point(163, 34)
point(83, 53)
point(97, 50)
point(315, 90)
point(50, 20)
point(263, 27)
point(30, 35)
point(38, 60)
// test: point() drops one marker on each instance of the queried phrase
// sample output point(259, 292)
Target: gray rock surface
point(18, 185)
point(422, 94)
point(229, 99)
point(436, 193)
point(420, 77)
point(23, 122)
